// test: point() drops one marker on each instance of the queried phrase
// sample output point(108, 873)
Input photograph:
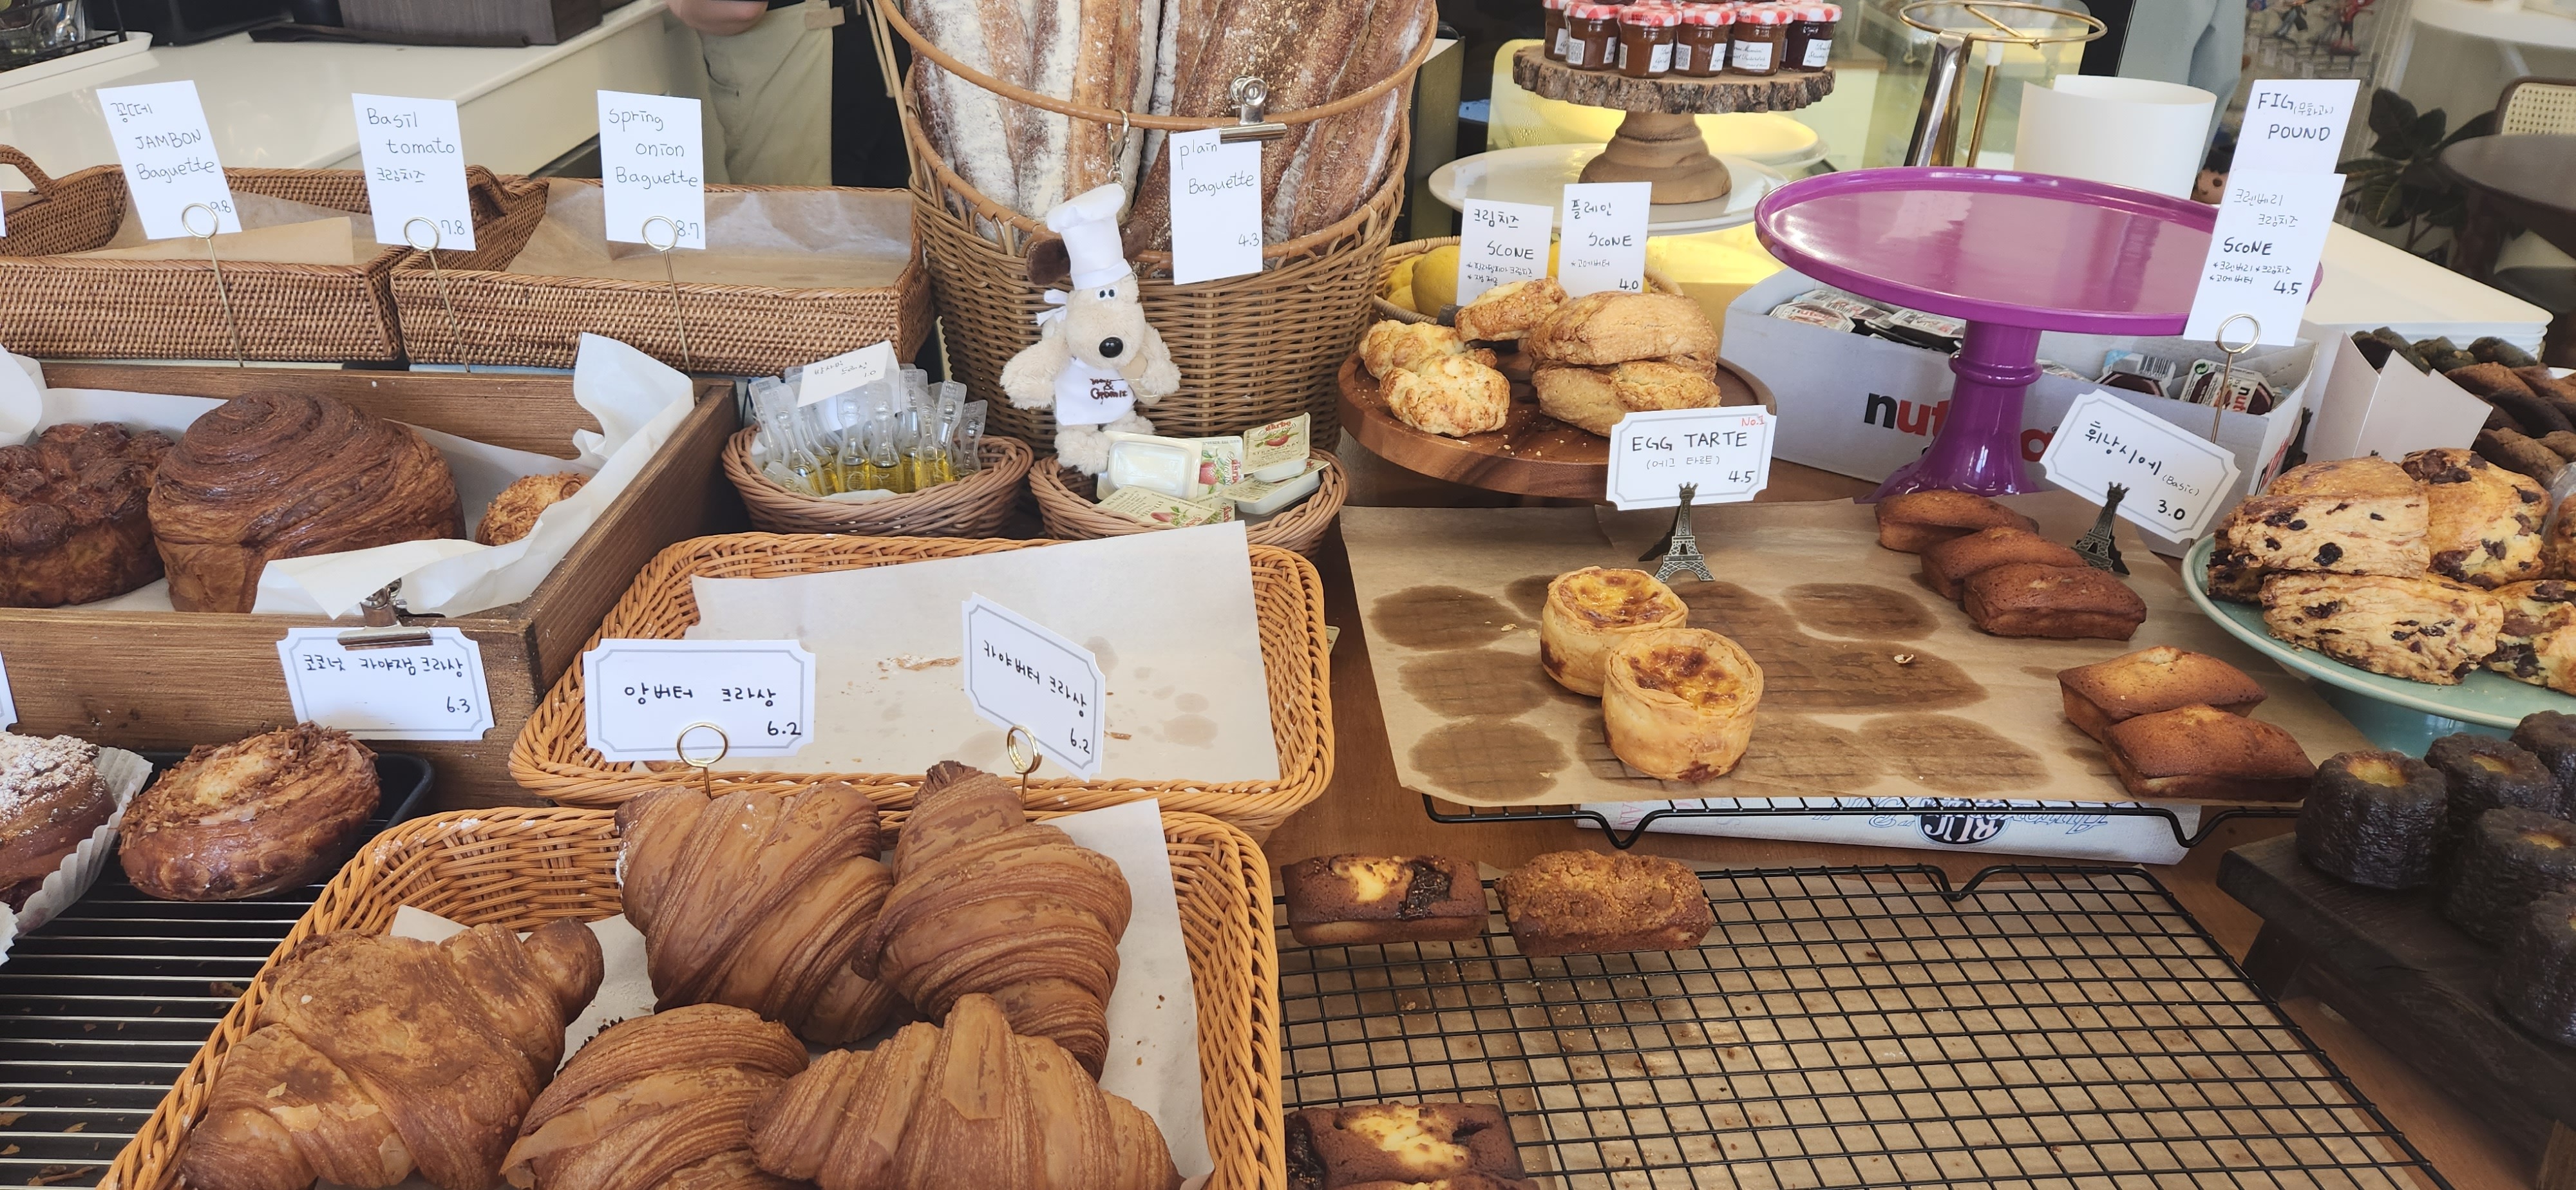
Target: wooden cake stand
point(1660, 142)
point(1532, 455)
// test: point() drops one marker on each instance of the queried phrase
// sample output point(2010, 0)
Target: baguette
point(1312, 79)
point(1055, 52)
point(1244, 37)
point(969, 126)
point(1348, 155)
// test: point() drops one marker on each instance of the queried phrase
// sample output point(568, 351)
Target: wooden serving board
point(2389, 963)
point(1532, 455)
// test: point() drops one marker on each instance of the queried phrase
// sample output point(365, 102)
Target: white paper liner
point(125, 774)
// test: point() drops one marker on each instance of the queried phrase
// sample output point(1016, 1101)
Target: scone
point(1614, 328)
point(51, 801)
point(2421, 629)
point(1594, 399)
point(1453, 395)
point(2203, 752)
point(1584, 902)
point(1917, 521)
point(1351, 899)
point(1678, 703)
point(1509, 311)
point(1589, 611)
point(2533, 644)
point(2062, 602)
point(1391, 346)
point(273, 811)
point(2369, 509)
point(1947, 564)
point(1398, 1144)
point(514, 512)
point(2152, 680)
point(2485, 521)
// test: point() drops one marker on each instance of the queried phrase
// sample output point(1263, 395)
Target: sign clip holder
point(1025, 758)
point(2227, 379)
point(1249, 94)
point(704, 764)
point(455, 329)
point(1680, 547)
point(385, 628)
point(223, 291)
point(679, 315)
point(2097, 547)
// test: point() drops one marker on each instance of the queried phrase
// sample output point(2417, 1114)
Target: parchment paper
point(274, 231)
point(1451, 599)
point(790, 239)
point(1168, 614)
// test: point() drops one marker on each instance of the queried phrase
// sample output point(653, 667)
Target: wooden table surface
point(1365, 810)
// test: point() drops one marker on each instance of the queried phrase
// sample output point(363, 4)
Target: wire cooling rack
point(2037, 1027)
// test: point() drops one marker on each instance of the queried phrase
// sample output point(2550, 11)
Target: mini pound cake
point(1584, 902)
point(2152, 680)
point(1917, 521)
point(2205, 753)
point(1353, 899)
point(2060, 602)
point(1947, 565)
point(1467, 1146)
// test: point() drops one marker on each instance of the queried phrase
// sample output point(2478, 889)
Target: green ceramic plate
point(2485, 697)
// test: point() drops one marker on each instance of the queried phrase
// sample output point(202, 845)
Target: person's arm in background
point(719, 18)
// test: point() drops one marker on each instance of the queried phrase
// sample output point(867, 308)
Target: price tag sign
point(169, 157)
point(1499, 243)
point(415, 162)
point(2175, 479)
point(2295, 126)
point(1019, 673)
point(2263, 255)
point(652, 163)
point(431, 693)
point(1216, 207)
point(1604, 243)
point(826, 379)
point(1727, 452)
point(639, 695)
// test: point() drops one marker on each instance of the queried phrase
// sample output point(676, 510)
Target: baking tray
point(2033, 1027)
point(102, 1008)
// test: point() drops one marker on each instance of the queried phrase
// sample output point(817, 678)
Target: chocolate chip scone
point(2348, 516)
point(2533, 644)
point(2421, 629)
point(2484, 521)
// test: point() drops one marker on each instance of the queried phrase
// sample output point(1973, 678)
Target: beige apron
point(770, 88)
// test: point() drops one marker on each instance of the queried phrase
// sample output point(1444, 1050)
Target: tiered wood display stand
point(1660, 142)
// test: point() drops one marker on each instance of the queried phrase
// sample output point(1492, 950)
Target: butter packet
point(1209, 510)
point(1278, 450)
point(1169, 466)
point(1153, 508)
point(1259, 498)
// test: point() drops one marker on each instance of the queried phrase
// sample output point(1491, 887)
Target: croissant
point(756, 900)
point(659, 1101)
point(986, 901)
point(972, 1106)
point(281, 475)
point(374, 1056)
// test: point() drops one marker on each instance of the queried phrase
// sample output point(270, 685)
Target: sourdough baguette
point(978, 133)
point(1261, 38)
point(1348, 155)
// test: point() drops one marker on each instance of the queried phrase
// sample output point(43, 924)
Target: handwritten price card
point(652, 159)
point(1499, 243)
point(1604, 243)
point(428, 693)
point(1019, 673)
point(1216, 207)
point(2176, 480)
point(415, 162)
point(639, 695)
point(2263, 255)
point(1727, 452)
point(2295, 126)
point(848, 371)
point(169, 157)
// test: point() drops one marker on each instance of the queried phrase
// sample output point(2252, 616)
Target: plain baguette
point(971, 127)
point(1348, 155)
point(1243, 37)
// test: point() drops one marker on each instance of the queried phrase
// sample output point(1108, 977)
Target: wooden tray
point(1532, 455)
point(178, 679)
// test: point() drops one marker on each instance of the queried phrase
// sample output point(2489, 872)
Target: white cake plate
point(1538, 174)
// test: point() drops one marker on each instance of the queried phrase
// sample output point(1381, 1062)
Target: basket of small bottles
point(900, 457)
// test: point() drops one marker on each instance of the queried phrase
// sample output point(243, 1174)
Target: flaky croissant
point(972, 1106)
point(757, 900)
point(285, 475)
point(376, 1056)
point(986, 901)
point(659, 1101)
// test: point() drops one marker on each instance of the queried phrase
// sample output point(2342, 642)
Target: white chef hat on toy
point(1089, 224)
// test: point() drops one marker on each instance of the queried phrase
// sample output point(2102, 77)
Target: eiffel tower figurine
point(2096, 545)
point(1679, 548)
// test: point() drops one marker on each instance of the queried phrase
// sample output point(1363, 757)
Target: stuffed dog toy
point(1096, 358)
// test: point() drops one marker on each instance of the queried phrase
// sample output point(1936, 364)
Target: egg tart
point(1678, 703)
point(1590, 610)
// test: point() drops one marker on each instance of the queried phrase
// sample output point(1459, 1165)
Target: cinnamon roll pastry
point(663, 1101)
point(251, 817)
point(73, 527)
point(283, 475)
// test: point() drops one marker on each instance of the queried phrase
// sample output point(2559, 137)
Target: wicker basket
point(523, 868)
point(740, 330)
point(553, 760)
point(1065, 503)
point(1400, 253)
point(63, 307)
point(975, 506)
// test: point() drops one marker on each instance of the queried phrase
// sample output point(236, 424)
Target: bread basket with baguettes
point(60, 306)
point(1397, 254)
point(975, 505)
point(552, 757)
point(1065, 504)
point(523, 868)
point(471, 309)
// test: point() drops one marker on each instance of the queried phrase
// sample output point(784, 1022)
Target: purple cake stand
point(2012, 254)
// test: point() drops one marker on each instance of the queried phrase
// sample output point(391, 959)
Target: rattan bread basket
point(55, 305)
point(1399, 253)
point(523, 868)
point(1065, 504)
point(525, 320)
point(975, 506)
point(553, 760)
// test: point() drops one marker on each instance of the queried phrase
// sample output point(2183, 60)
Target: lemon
point(1435, 279)
point(1404, 298)
point(1401, 276)
point(1551, 258)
